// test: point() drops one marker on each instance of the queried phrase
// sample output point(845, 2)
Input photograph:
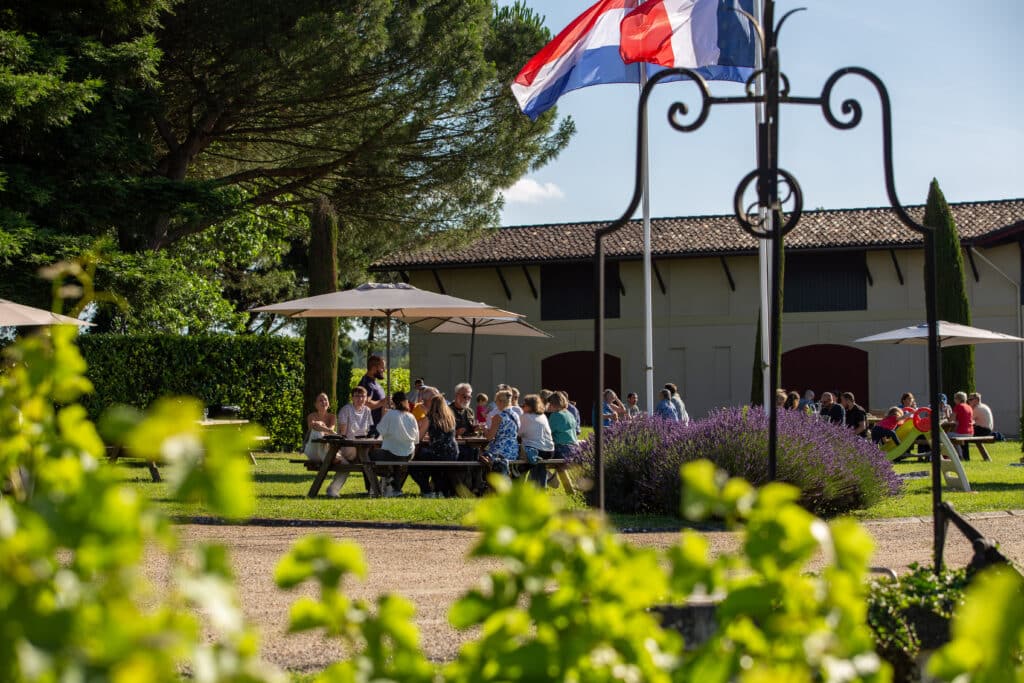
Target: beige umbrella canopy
point(19, 315)
point(509, 327)
point(949, 334)
point(385, 300)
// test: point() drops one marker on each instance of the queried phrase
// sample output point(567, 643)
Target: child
point(481, 408)
point(886, 428)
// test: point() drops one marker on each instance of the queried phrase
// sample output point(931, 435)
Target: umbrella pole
point(472, 343)
point(387, 355)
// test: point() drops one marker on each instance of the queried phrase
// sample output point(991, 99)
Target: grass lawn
point(281, 489)
point(995, 485)
point(281, 494)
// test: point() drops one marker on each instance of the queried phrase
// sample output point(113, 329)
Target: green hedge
point(261, 375)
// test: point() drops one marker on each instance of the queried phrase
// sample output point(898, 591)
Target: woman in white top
point(354, 420)
point(321, 421)
point(399, 433)
point(535, 433)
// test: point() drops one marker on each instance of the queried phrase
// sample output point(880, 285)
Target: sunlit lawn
point(996, 485)
point(281, 494)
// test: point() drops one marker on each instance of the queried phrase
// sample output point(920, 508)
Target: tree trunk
point(322, 333)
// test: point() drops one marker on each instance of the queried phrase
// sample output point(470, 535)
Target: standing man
point(984, 423)
point(632, 409)
point(422, 391)
point(856, 417)
point(375, 398)
point(831, 410)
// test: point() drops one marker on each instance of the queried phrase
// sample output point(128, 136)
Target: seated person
point(886, 427)
point(321, 421)
point(438, 428)
point(481, 408)
point(964, 417)
point(538, 443)
point(399, 433)
point(503, 432)
point(355, 420)
point(984, 423)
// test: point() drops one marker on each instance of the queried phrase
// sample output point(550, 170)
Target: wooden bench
point(980, 441)
point(558, 464)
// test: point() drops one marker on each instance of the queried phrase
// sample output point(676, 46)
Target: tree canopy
point(194, 115)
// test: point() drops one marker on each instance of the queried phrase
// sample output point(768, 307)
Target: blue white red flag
point(708, 35)
point(585, 53)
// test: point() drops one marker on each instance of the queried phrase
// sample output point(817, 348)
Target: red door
point(573, 372)
point(827, 367)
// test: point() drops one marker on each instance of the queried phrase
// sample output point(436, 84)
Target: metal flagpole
point(763, 257)
point(645, 181)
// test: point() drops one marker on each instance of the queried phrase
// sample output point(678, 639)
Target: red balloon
point(923, 420)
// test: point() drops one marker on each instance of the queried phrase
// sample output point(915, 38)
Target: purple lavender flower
point(835, 470)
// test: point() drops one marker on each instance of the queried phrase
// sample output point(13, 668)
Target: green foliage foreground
point(570, 602)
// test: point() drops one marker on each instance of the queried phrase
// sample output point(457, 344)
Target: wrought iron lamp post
point(775, 212)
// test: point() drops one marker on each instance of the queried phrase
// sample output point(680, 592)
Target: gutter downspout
point(1020, 327)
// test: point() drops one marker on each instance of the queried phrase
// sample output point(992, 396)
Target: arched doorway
point(827, 367)
point(573, 371)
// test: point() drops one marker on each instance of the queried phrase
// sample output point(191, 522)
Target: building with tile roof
point(849, 273)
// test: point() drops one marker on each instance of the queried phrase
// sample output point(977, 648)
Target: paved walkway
point(430, 568)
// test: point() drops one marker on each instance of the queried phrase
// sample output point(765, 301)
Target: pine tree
point(951, 293)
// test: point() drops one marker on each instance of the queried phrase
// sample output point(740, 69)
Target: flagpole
point(763, 257)
point(645, 181)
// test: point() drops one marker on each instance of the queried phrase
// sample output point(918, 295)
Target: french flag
point(585, 53)
point(707, 35)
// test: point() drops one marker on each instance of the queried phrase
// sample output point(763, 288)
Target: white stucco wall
point(704, 333)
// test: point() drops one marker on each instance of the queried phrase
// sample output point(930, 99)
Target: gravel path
point(430, 568)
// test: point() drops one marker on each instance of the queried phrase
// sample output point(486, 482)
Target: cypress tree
point(951, 293)
point(321, 348)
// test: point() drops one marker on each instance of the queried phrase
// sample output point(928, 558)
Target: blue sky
point(953, 73)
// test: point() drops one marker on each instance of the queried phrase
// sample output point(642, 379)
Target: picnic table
point(369, 468)
point(114, 453)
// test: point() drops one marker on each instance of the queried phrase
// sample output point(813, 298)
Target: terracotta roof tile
point(873, 228)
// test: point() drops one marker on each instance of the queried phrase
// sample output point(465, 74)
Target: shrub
point(834, 470)
point(262, 375)
point(912, 614)
point(400, 380)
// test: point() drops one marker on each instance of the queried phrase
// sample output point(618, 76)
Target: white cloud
point(529, 191)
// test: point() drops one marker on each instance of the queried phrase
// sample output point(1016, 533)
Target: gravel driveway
point(430, 568)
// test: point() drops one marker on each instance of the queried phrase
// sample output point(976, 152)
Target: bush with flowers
point(834, 470)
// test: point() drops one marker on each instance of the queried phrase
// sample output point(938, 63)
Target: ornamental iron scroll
point(775, 212)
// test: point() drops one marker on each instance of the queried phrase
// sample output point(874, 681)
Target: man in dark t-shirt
point(465, 418)
point(471, 479)
point(856, 417)
point(376, 401)
point(832, 410)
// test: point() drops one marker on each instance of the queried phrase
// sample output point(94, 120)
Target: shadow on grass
point(277, 478)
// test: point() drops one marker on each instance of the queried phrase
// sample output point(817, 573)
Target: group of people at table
point(968, 416)
point(424, 425)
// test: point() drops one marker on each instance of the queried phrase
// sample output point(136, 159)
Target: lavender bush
point(835, 470)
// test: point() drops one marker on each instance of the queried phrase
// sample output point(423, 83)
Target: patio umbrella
point(509, 327)
point(384, 300)
point(18, 315)
point(950, 334)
